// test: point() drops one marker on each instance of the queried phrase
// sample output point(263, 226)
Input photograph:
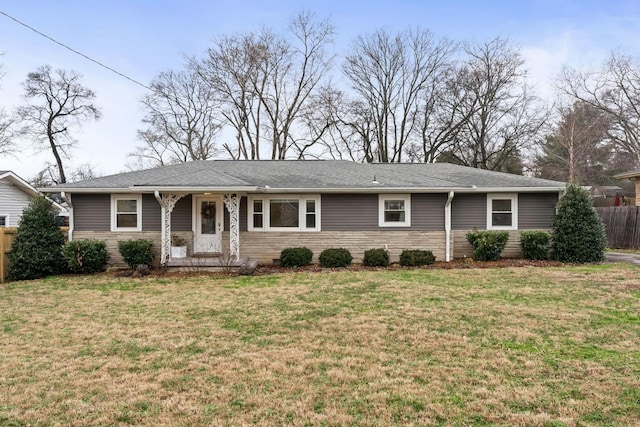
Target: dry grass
point(519, 346)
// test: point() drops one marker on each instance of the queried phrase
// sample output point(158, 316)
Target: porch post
point(167, 202)
point(232, 202)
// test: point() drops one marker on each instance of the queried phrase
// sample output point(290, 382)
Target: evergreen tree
point(578, 233)
point(36, 250)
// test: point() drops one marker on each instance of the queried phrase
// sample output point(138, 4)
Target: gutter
point(302, 190)
point(447, 227)
point(67, 198)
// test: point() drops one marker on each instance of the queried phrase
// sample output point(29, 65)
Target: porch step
point(208, 261)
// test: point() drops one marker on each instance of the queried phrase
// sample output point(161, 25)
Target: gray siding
point(468, 211)
point(536, 211)
point(349, 212)
point(151, 213)
point(181, 215)
point(91, 212)
point(427, 211)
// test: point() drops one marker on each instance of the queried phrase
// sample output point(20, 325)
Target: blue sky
point(142, 38)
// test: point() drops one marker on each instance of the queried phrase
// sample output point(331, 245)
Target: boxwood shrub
point(376, 258)
point(487, 245)
point(136, 252)
point(534, 244)
point(86, 256)
point(335, 257)
point(295, 257)
point(416, 257)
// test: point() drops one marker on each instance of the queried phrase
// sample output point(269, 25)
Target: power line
point(76, 52)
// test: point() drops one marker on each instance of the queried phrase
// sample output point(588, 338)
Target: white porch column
point(167, 202)
point(232, 202)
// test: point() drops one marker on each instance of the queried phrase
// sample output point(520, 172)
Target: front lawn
point(514, 346)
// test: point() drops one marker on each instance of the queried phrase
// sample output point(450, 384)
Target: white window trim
point(514, 210)
point(407, 210)
point(266, 212)
point(114, 204)
point(7, 220)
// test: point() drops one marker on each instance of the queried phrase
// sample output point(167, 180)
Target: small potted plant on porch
point(178, 246)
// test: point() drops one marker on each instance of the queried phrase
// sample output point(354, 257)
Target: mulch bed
point(266, 269)
point(458, 263)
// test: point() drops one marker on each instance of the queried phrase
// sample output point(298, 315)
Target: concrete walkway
point(623, 257)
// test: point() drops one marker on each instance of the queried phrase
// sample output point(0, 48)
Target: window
point(279, 213)
point(258, 214)
point(3, 221)
point(311, 214)
point(126, 212)
point(284, 213)
point(502, 211)
point(394, 210)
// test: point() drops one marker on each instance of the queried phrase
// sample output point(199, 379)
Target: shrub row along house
point(257, 208)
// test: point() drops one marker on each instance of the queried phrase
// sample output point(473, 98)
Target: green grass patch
point(524, 346)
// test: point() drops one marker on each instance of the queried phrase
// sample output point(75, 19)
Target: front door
point(208, 225)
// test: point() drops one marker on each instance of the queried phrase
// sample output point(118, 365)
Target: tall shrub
point(578, 233)
point(36, 250)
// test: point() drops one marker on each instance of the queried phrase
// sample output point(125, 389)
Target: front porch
point(207, 225)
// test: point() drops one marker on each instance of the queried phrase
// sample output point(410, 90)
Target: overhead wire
point(76, 51)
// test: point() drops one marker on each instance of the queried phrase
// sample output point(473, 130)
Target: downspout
point(447, 227)
point(67, 198)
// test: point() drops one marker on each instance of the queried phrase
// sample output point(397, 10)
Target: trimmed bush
point(534, 244)
point(578, 233)
point(487, 245)
point(416, 258)
point(335, 257)
point(36, 250)
point(136, 252)
point(86, 256)
point(376, 258)
point(295, 257)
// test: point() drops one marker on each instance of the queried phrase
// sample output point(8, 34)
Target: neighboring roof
point(309, 175)
point(630, 174)
point(25, 187)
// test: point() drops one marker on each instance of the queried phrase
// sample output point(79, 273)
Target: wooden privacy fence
point(6, 238)
point(623, 226)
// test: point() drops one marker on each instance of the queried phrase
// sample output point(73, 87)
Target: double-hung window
point(126, 212)
point(284, 213)
point(3, 220)
point(394, 210)
point(502, 211)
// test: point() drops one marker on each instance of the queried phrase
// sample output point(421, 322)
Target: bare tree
point(615, 90)
point(504, 119)
point(181, 119)
point(6, 128)
point(391, 76)
point(441, 117)
point(580, 149)
point(265, 81)
point(60, 102)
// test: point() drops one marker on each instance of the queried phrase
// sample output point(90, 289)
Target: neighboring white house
point(15, 195)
